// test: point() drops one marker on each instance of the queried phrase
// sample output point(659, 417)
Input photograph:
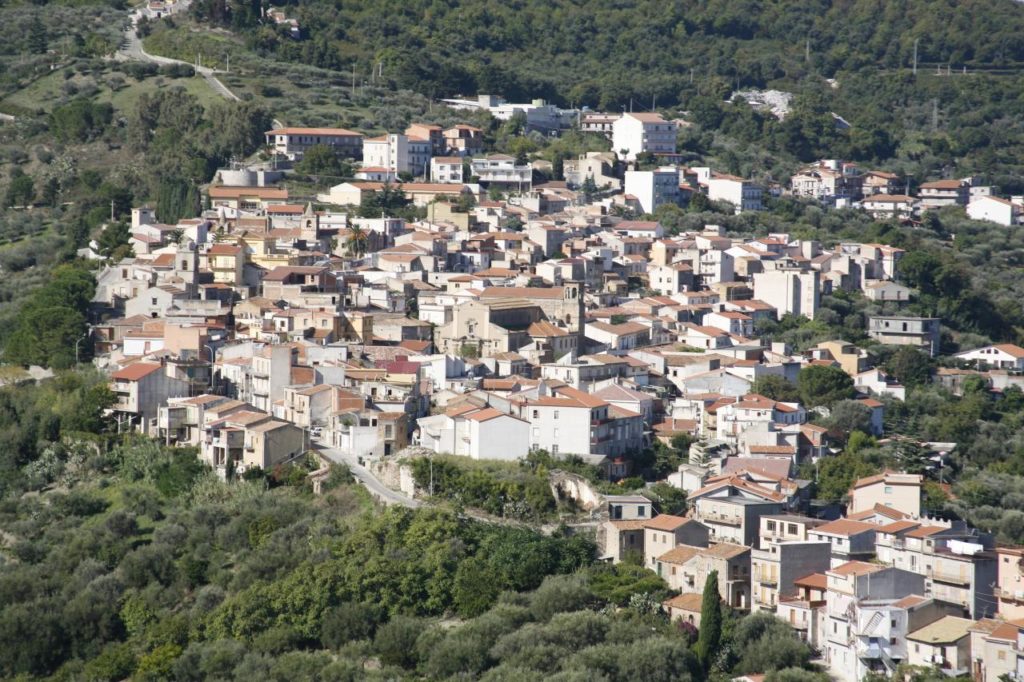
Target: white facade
point(397, 153)
point(996, 210)
point(743, 194)
point(634, 134)
point(789, 291)
point(653, 188)
point(446, 169)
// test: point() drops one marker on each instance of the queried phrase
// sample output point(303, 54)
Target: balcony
point(871, 651)
point(949, 577)
point(722, 518)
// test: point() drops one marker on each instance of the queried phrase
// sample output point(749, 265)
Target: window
point(888, 490)
point(641, 510)
point(554, 449)
point(770, 525)
point(536, 415)
point(791, 529)
point(556, 414)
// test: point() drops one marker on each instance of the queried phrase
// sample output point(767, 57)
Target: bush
point(395, 641)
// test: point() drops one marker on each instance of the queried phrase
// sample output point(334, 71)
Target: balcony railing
point(950, 578)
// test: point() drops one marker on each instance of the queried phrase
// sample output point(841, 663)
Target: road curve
point(366, 477)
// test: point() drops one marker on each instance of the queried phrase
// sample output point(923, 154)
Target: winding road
point(132, 50)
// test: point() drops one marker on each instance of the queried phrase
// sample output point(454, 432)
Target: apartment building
point(901, 492)
point(686, 568)
point(783, 555)
point(731, 516)
point(743, 194)
point(398, 153)
point(665, 532)
point(789, 291)
point(446, 169)
point(945, 644)
point(958, 564)
point(638, 133)
point(1010, 583)
point(140, 389)
point(622, 533)
point(903, 330)
point(653, 188)
point(293, 142)
point(848, 540)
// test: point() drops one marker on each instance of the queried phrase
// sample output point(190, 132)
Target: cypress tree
point(710, 634)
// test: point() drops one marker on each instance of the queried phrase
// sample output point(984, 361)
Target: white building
point(477, 433)
point(1000, 356)
point(398, 153)
point(446, 169)
point(789, 291)
point(1003, 211)
point(744, 194)
point(292, 142)
point(653, 188)
point(634, 134)
point(502, 170)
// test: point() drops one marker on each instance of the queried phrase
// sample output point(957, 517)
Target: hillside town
point(521, 316)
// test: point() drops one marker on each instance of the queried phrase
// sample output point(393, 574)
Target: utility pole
point(353, 79)
point(807, 51)
point(916, 41)
point(935, 114)
point(111, 210)
point(227, 69)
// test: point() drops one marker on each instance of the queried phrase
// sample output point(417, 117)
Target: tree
point(322, 160)
point(356, 241)
point(849, 416)
point(395, 641)
point(710, 635)
point(113, 236)
point(37, 37)
point(824, 385)
point(21, 190)
point(910, 366)
point(775, 387)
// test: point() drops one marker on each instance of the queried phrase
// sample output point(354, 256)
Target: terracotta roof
point(667, 522)
point(679, 555)
point(522, 292)
point(725, 550)
point(690, 601)
point(925, 531)
point(340, 132)
point(135, 371)
point(629, 524)
point(910, 601)
point(856, 568)
point(816, 581)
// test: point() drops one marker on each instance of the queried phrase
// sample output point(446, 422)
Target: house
point(446, 169)
point(398, 153)
point(743, 194)
point(686, 568)
point(671, 279)
point(246, 198)
point(876, 382)
point(878, 182)
point(665, 532)
point(901, 492)
point(945, 193)
point(828, 180)
point(945, 644)
point(598, 122)
point(957, 562)
point(885, 206)
point(560, 305)
point(140, 390)
point(882, 290)
point(621, 536)
point(996, 649)
point(653, 188)
point(1006, 212)
point(464, 140)
point(685, 607)
point(794, 292)
point(427, 193)
point(1000, 356)
point(732, 510)
point(1010, 583)
point(477, 433)
point(784, 554)
point(619, 337)
point(849, 540)
point(905, 330)
point(851, 359)
point(639, 133)
point(574, 422)
point(293, 142)
point(501, 170)
point(870, 609)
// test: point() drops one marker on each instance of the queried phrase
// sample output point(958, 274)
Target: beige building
point(945, 644)
point(1010, 587)
point(488, 327)
point(995, 649)
point(784, 555)
point(687, 568)
point(665, 531)
point(901, 492)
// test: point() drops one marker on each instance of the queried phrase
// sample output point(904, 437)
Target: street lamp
point(80, 339)
point(213, 362)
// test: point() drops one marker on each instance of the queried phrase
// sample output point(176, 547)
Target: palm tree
point(356, 241)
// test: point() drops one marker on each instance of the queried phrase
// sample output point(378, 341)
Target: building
point(140, 390)
point(886, 206)
point(870, 609)
point(621, 536)
point(561, 305)
point(686, 568)
point(849, 540)
point(743, 194)
point(446, 169)
point(639, 133)
point(783, 555)
point(464, 140)
point(903, 330)
point(653, 188)
point(793, 292)
point(996, 650)
point(901, 492)
point(945, 193)
point(1010, 583)
point(1003, 211)
point(665, 532)
point(598, 122)
point(501, 170)
point(398, 153)
point(1000, 356)
point(292, 142)
point(945, 644)
point(829, 180)
point(477, 433)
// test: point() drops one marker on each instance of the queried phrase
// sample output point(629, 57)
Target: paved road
point(364, 476)
point(131, 50)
